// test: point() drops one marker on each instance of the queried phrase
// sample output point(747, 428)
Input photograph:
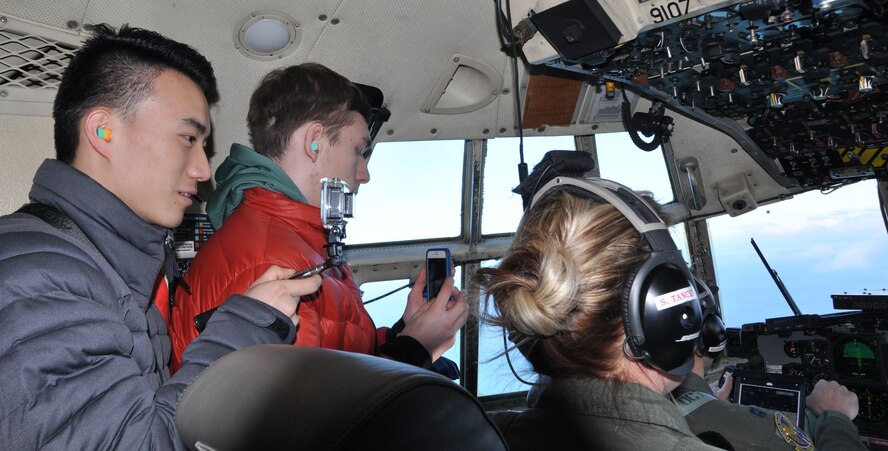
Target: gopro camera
point(337, 203)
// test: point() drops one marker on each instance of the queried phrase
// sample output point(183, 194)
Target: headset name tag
point(674, 298)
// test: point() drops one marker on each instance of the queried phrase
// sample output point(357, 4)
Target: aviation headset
point(661, 313)
point(713, 335)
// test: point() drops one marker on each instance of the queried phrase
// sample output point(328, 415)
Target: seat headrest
point(287, 397)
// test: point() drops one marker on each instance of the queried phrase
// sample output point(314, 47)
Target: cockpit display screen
point(857, 359)
point(779, 392)
point(782, 400)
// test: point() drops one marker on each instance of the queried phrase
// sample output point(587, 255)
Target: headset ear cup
point(671, 315)
point(713, 336)
point(631, 310)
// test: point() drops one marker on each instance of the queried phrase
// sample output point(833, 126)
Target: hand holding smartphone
point(437, 269)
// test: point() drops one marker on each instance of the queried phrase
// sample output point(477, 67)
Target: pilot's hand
point(723, 392)
point(275, 289)
point(831, 395)
point(435, 323)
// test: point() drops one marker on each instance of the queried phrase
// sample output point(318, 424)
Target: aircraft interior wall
point(25, 141)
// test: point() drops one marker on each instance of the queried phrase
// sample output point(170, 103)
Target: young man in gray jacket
point(83, 351)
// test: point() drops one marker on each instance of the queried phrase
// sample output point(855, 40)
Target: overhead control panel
point(801, 85)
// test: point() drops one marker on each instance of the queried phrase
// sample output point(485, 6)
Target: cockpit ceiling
point(400, 47)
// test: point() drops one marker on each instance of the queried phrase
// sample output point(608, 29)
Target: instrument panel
point(849, 348)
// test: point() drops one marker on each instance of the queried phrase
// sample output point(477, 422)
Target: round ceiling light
point(268, 36)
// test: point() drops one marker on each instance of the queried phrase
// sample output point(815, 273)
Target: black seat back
point(285, 397)
point(542, 430)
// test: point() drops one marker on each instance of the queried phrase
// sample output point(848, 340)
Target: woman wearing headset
point(559, 294)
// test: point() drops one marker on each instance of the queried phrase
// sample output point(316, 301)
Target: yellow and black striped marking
point(876, 156)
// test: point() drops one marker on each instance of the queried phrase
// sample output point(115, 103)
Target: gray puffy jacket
point(83, 351)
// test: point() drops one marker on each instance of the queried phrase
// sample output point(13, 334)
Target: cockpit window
point(414, 193)
point(819, 245)
point(494, 375)
point(502, 208)
point(620, 160)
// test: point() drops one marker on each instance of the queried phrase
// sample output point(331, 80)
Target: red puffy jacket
point(267, 229)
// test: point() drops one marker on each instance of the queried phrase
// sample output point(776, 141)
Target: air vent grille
point(32, 62)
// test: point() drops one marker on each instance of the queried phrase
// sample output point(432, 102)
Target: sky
point(819, 244)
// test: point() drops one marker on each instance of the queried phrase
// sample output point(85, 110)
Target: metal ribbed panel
point(33, 58)
point(32, 62)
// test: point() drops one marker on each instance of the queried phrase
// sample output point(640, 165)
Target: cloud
point(796, 223)
point(852, 209)
point(817, 251)
point(857, 256)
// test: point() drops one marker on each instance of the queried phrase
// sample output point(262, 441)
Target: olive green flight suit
point(753, 428)
point(594, 414)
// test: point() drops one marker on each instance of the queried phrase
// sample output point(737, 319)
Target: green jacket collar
point(243, 169)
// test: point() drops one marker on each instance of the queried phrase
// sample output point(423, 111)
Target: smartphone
point(437, 269)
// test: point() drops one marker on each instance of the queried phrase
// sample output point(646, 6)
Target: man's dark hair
point(290, 97)
point(115, 69)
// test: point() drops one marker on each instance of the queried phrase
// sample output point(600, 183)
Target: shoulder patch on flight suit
point(757, 412)
point(691, 400)
point(791, 433)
